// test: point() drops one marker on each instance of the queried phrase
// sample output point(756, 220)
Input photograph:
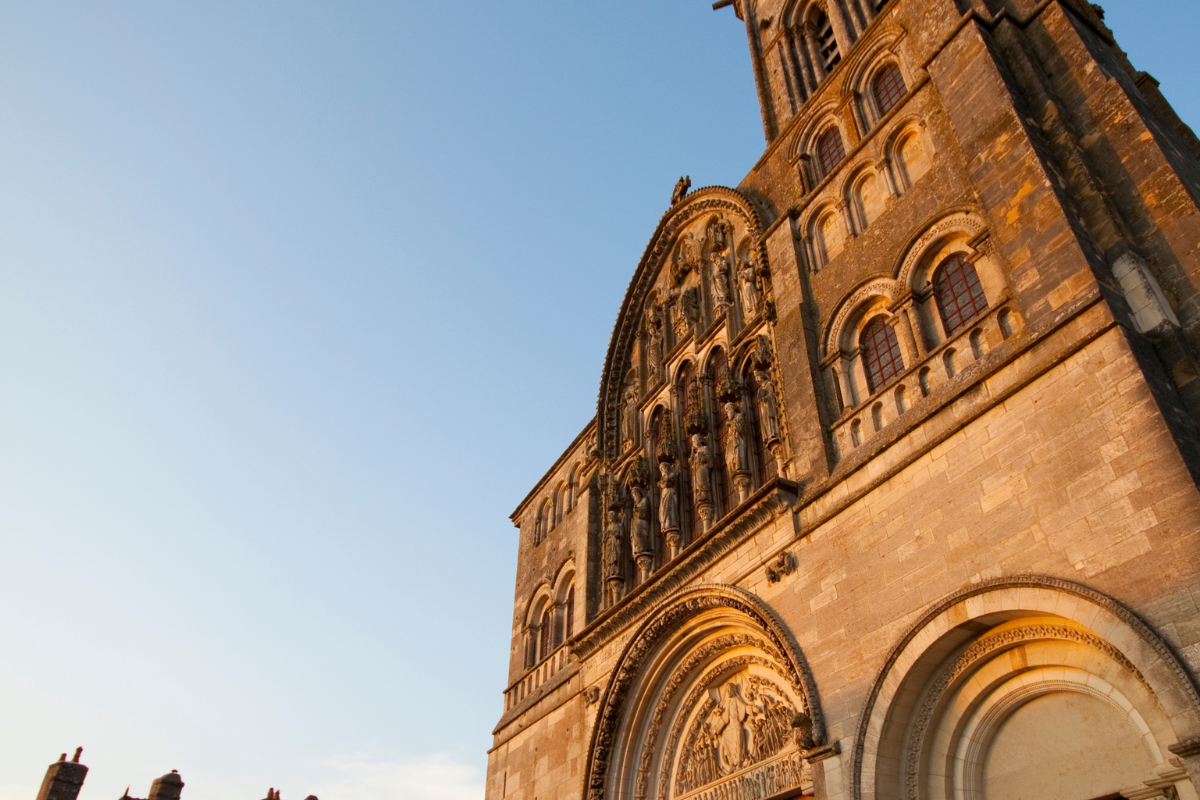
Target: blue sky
point(297, 301)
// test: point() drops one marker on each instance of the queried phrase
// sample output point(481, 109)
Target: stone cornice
point(773, 499)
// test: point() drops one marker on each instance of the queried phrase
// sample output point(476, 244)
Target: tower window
point(830, 151)
point(880, 353)
point(571, 613)
point(889, 88)
point(827, 42)
point(959, 293)
point(544, 635)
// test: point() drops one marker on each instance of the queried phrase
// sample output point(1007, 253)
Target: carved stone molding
point(663, 622)
point(1182, 676)
point(968, 222)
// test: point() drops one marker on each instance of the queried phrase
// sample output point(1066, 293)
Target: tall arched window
point(888, 88)
point(880, 354)
point(959, 293)
point(539, 527)
point(830, 151)
point(544, 632)
point(826, 41)
point(570, 621)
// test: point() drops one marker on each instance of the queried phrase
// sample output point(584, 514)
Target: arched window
point(539, 527)
point(830, 151)
point(959, 293)
point(880, 354)
point(826, 41)
point(570, 621)
point(888, 88)
point(544, 632)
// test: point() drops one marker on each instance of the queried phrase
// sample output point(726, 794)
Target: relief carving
point(629, 420)
point(751, 299)
point(643, 544)
point(668, 497)
point(702, 465)
point(654, 342)
point(744, 722)
point(687, 258)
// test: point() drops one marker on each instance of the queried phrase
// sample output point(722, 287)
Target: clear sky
point(297, 301)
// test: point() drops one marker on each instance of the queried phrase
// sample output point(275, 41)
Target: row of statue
point(635, 494)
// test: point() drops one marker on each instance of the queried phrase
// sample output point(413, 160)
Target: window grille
point(959, 293)
point(830, 151)
point(827, 42)
point(889, 88)
point(880, 354)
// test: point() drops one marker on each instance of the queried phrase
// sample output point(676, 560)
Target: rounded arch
point(950, 682)
point(865, 194)
point(914, 268)
point(862, 65)
point(908, 151)
point(541, 595)
point(620, 358)
point(669, 667)
point(866, 301)
point(819, 118)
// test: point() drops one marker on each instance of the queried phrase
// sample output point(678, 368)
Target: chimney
point(168, 787)
point(64, 779)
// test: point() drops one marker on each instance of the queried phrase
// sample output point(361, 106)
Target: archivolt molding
point(1179, 696)
point(618, 361)
point(701, 655)
point(969, 222)
point(814, 120)
point(979, 651)
point(879, 287)
point(667, 620)
point(864, 60)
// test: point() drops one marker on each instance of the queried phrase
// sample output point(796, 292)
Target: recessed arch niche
point(1027, 686)
point(710, 699)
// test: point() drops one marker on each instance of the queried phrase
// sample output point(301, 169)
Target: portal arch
point(711, 690)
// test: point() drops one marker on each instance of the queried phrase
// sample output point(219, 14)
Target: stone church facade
point(892, 487)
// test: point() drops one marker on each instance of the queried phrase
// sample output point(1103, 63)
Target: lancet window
point(881, 356)
point(959, 293)
point(545, 634)
point(570, 612)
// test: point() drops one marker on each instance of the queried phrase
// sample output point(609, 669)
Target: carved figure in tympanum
point(746, 721)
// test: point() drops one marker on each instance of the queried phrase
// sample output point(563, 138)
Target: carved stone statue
point(689, 306)
point(737, 448)
point(750, 296)
point(681, 189)
point(613, 555)
point(802, 728)
point(643, 546)
point(654, 342)
point(687, 257)
point(768, 407)
point(668, 498)
point(629, 418)
point(702, 466)
point(729, 725)
point(720, 282)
